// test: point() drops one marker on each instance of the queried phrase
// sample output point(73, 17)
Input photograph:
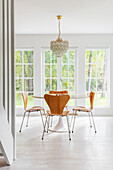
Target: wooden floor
point(86, 150)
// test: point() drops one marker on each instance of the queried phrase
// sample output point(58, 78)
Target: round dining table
point(60, 127)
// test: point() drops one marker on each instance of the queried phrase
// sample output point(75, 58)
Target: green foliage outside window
point(96, 75)
point(24, 75)
point(68, 72)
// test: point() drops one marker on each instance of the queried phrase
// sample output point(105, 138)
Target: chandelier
point(59, 47)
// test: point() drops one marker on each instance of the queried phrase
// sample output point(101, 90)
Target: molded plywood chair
point(87, 110)
point(56, 104)
point(29, 110)
point(58, 93)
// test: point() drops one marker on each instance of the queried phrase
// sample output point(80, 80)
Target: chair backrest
point(58, 92)
point(56, 103)
point(25, 99)
point(92, 95)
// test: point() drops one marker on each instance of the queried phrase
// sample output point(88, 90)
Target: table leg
point(59, 127)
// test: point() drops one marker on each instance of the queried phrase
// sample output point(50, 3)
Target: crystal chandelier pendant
point(59, 47)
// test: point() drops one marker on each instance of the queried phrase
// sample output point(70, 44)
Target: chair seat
point(73, 114)
point(64, 113)
point(35, 108)
point(82, 108)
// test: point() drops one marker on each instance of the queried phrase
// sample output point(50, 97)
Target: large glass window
point(60, 73)
point(69, 74)
point(50, 71)
point(97, 75)
point(24, 75)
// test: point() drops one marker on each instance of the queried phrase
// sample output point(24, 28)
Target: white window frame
point(24, 78)
point(107, 76)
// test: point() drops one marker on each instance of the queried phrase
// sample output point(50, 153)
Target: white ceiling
point(79, 16)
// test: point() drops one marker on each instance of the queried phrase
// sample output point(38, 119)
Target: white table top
point(71, 97)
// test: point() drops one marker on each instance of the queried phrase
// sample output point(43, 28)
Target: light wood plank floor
point(86, 150)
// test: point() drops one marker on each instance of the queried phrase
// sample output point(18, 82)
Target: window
point(97, 75)
point(24, 75)
point(60, 73)
point(50, 71)
point(69, 74)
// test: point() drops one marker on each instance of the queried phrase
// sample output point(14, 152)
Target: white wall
point(81, 41)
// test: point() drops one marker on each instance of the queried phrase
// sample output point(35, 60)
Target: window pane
point(30, 99)
point(71, 101)
point(91, 70)
point(28, 85)
point(90, 85)
point(71, 70)
point(100, 56)
point(54, 58)
point(28, 70)
point(64, 84)
point(90, 56)
point(19, 99)
point(101, 99)
point(47, 56)
point(101, 85)
point(71, 85)
point(28, 56)
point(93, 85)
point(18, 56)
point(65, 58)
point(64, 71)
point(47, 70)
point(18, 71)
point(54, 70)
point(87, 70)
point(71, 57)
point(47, 84)
point(18, 84)
point(101, 70)
point(54, 84)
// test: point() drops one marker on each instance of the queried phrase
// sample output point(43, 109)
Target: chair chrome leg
point(89, 119)
point(42, 118)
point(48, 124)
point(68, 128)
point(73, 124)
point(22, 121)
point(71, 121)
point(44, 128)
point(28, 119)
point(51, 121)
point(93, 122)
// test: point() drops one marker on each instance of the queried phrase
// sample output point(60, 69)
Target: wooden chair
point(56, 104)
point(29, 110)
point(58, 93)
point(87, 110)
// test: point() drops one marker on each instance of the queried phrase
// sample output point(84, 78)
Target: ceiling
point(79, 16)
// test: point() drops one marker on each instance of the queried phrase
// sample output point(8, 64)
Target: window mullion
point(68, 70)
point(22, 71)
point(50, 70)
point(96, 77)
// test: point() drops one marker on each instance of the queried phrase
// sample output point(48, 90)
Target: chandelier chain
point(59, 30)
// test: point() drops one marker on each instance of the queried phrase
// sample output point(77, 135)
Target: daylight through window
point(96, 76)
point(24, 75)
